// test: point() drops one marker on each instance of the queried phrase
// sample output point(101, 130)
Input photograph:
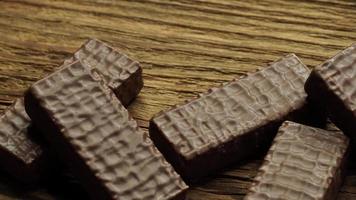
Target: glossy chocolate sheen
point(303, 163)
point(332, 85)
point(122, 74)
point(19, 155)
point(230, 123)
point(89, 128)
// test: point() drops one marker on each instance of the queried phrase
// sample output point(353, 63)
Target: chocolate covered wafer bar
point(303, 163)
point(122, 74)
point(19, 154)
point(229, 123)
point(332, 86)
point(82, 119)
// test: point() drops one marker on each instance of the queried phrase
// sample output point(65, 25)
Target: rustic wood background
point(185, 47)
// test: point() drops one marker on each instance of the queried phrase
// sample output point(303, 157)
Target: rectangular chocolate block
point(20, 156)
point(303, 163)
point(332, 86)
point(122, 74)
point(89, 128)
point(230, 123)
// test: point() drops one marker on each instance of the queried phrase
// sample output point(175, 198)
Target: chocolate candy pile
point(79, 110)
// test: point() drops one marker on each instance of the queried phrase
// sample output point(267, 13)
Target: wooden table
point(185, 47)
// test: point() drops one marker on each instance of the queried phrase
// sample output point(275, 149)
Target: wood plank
point(185, 48)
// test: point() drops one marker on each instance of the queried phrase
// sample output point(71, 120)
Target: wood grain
point(185, 48)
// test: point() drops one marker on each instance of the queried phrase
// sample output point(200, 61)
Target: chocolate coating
point(332, 86)
point(122, 74)
point(303, 163)
point(89, 127)
point(19, 155)
point(230, 123)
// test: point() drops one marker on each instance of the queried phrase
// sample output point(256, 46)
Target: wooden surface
point(185, 47)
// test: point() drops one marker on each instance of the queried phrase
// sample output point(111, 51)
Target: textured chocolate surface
point(18, 154)
point(90, 128)
point(303, 163)
point(14, 123)
point(232, 121)
point(122, 74)
point(333, 86)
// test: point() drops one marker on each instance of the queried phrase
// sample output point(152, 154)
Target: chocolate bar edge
point(322, 96)
point(342, 175)
point(24, 172)
point(130, 88)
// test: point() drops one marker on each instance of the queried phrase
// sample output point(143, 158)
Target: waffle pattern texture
point(224, 113)
point(114, 66)
point(304, 163)
point(339, 74)
point(99, 128)
point(14, 139)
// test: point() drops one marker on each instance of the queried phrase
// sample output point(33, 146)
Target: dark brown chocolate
point(230, 123)
point(20, 156)
point(303, 163)
point(332, 87)
point(82, 119)
point(122, 74)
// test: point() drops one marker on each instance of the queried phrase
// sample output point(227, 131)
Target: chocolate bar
point(332, 86)
point(122, 74)
point(230, 123)
point(303, 163)
point(20, 156)
point(89, 128)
